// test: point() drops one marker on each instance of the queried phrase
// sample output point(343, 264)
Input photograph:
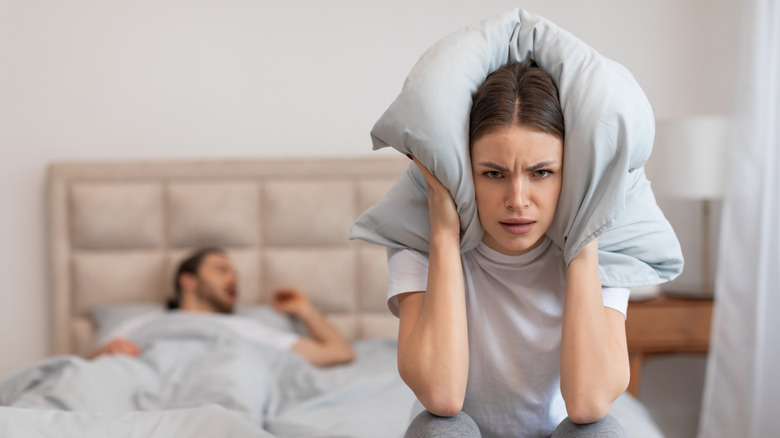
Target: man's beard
point(209, 296)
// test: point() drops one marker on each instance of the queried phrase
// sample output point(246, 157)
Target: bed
point(117, 231)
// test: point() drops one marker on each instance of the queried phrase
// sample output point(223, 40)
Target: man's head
point(205, 281)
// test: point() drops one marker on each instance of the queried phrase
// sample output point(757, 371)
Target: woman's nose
point(517, 196)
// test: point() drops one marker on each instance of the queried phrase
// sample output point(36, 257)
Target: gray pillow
point(109, 317)
point(609, 136)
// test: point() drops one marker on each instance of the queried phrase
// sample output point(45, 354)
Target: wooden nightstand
point(665, 325)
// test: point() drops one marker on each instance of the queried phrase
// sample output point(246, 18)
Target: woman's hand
point(444, 215)
point(589, 252)
point(433, 350)
point(594, 356)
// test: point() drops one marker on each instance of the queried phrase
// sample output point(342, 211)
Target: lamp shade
point(689, 157)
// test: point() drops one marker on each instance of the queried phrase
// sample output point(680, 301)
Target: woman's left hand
point(594, 356)
point(589, 250)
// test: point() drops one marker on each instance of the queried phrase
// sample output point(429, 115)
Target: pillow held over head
point(609, 135)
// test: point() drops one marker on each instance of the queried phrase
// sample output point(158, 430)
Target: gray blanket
point(198, 379)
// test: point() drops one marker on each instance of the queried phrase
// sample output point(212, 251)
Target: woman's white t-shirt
point(514, 308)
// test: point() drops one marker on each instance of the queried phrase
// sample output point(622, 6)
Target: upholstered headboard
point(118, 230)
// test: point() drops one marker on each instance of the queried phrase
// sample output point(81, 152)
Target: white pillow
point(609, 135)
point(109, 317)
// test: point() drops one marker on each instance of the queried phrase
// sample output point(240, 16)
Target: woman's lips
point(517, 227)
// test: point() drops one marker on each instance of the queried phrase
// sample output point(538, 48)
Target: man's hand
point(116, 346)
point(326, 346)
point(291, 302)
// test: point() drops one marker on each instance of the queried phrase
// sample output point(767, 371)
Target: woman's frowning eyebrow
point(494, 166)
point(540, 165)
point(535, 167)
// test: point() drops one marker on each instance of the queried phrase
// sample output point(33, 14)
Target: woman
point(506, 337)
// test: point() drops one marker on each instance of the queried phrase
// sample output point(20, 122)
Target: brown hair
point(517, 94)
point(190, 265)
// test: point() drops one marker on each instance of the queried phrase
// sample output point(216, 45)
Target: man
point(206, 283)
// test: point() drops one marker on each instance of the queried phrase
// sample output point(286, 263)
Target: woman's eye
point(542, 173)
point(492, 174)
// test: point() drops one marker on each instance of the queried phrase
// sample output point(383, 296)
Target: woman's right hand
point(445, 221)
point(433, 349)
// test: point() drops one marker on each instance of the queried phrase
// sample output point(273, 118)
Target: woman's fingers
point(430, 178)
point(589, 250)
point(441, 205)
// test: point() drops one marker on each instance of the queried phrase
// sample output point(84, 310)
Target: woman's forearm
point(433, 349)
point(433, 342)
point(594, 359)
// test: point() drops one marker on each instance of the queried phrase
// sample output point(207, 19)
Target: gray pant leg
point(427, 425)
point(607, 427)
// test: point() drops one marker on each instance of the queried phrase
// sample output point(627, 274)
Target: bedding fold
point(195, 374)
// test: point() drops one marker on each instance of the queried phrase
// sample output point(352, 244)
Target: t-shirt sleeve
point(616, 298)
point(407, 272)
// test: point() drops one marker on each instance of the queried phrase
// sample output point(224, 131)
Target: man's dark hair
point(190, 265)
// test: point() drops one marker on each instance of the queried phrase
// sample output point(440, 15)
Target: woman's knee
point(607, 427)
point(427, 425)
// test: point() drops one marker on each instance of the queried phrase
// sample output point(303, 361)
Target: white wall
point(87, 80)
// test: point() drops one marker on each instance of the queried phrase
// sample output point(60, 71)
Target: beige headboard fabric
point(117, 231)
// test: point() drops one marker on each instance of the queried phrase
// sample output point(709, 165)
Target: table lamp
point(688, 162)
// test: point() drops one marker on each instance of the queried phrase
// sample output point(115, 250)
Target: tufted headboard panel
point(118, 230)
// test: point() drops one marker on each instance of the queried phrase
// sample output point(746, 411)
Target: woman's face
point(517, 177)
